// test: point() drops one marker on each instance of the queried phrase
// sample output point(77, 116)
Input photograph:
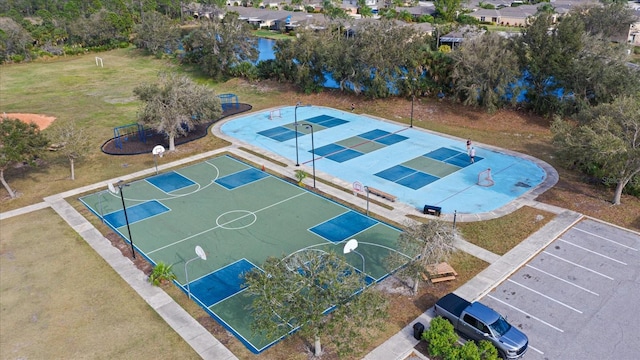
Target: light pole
point(295, 124)
point(201, 255)
point(351, 246)
point(313, 153)
point(366, 189)
point(121, 184)
point(413, 97)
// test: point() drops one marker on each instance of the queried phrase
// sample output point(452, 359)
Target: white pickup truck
point(477, 322)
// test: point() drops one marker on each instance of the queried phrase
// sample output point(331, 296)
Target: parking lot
point(579, 298)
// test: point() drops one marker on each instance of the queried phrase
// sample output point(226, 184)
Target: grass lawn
point(61, 300)
point(74, 89)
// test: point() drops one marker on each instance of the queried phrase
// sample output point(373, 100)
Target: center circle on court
point(236, 219)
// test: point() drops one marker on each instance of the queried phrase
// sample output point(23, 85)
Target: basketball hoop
point(157, 150)
point(357, 188)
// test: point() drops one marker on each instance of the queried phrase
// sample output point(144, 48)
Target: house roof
point(465, 32)
point(521, 12)
point(486, 13)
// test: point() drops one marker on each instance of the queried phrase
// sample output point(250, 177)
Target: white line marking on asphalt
point(578, 265)
point(561, 279)
point(604, 238)
point(526, 313)
point(593, 252)
point(546, 296)
point(536, 350)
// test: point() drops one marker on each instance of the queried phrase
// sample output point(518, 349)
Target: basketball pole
point(121, 185)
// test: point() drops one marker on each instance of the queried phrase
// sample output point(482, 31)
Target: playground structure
point(139, 133)
point(229, 101)
point(129, 132)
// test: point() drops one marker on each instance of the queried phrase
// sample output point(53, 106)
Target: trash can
point(418, 329)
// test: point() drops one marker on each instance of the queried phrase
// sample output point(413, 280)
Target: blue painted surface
point(135, 213)
point(343, 227)
point(458, 191)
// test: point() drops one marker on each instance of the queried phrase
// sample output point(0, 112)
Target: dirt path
point(42, 121)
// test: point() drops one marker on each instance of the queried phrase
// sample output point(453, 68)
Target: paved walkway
point(397, 347)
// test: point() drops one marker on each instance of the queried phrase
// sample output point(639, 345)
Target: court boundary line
point(216, 227)
point(360, 144)
point(175, 172)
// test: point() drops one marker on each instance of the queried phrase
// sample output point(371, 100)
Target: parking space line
point(545, 296)
point(593, 252)
point(526, 313)
point(536, 350)
point(604, 238)
point(578, 265)
point(563, 280)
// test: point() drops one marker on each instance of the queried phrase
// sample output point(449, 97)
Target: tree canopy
point(317, 292)
point(217, 46)
point(19, 143)
point(175, 104)
point(425, 244)
point(605, 143)
point(485, 70)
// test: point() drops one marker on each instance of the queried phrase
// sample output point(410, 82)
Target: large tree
point(543, 54)
point(20, 143)
point(317, 293)
point(69, 140)
point(484, 71)
point(14, 40)
point(175, 104)
point(610, 20)
point(605, 143)
point(217, 46)
point(425, 244)
point(448, 9)
point(157, 33)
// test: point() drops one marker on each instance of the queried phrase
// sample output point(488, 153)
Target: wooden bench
point(382, 194)
point(440, 272)
point(432, 210)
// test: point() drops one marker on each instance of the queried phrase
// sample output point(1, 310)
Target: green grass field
point(60, 300)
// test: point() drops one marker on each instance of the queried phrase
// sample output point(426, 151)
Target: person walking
point(468, 145)
point(353, 107)
point(472, 154)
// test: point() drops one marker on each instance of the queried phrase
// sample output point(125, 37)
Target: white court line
point(526, 313)
point(561, 279)
point(604, 238)
point(546, 296)
point(230, 221)
point(593, 252)
point(578, 265)
point(536, 350)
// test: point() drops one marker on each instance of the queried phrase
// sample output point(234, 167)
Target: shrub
point(440, 337)
point(161, 273)
point(442, 341)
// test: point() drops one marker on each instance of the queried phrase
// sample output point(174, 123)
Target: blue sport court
point(417, 166)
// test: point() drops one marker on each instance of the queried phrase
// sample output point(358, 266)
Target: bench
point(439, 272)
point(382, 194)
point(432, 210)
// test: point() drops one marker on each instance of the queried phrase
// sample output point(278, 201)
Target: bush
point(162, 273)
point(440, 337)
point(442, 341)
